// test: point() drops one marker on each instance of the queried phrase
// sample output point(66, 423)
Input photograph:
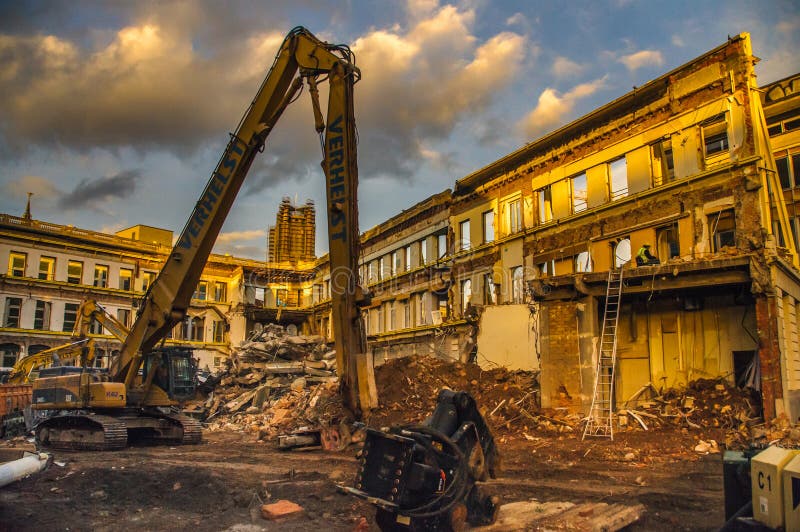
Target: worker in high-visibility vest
point(645, 258)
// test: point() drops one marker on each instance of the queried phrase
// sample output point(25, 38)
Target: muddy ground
point(221, 484)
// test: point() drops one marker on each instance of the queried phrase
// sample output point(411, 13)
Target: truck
point(139, 395)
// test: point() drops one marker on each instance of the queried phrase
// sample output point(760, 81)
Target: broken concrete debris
point(283, 389)
point(281, 510)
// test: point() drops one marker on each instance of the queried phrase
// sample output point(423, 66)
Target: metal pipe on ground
point(19, 469)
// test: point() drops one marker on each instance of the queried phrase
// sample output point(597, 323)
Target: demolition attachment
point(423, 477)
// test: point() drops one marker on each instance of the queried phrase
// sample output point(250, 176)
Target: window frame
point(517, 285)
point(466, 294)
point(50, 271)
point(487, 219)
point(73, 279)
point(100, 268)
point(125, 273)
point(544, 200)
point(12, 268)
point(41, 315)
point(579, 205)
point(716, 236)
point(12, 303)
point(464, 243)
point(70, 309)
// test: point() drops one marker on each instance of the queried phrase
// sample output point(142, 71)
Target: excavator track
point(192, 429)
point(82, 433)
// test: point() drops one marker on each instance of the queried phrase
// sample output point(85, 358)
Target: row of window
point(192, 328)
point(12, 316)
point(18, 266)
point(513, 223)
point(403, 259)
point(714, 142)
point(421, 308)
point(490, 289)
point(219, 291)
point(722, 232)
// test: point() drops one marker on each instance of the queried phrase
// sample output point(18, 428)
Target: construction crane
point(146, 379)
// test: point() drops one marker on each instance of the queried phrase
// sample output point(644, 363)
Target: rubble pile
point(408, 388)
point(268, 395)
point(703, 404)
point(270, 380)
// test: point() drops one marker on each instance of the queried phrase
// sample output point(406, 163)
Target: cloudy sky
point(114, 113)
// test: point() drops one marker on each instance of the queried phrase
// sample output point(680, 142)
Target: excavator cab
point(174, 369)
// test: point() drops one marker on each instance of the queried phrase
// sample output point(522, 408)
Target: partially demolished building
point(699, 168)
point(683, 165)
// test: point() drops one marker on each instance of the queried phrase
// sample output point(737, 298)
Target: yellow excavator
point(88, 409)
point(16, 388)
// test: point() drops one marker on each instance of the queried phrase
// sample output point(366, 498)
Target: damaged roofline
point(647, 92)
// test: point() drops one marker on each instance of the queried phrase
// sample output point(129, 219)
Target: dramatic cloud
point(554, 109)
point(41, 187)
point(418, 84)
point(94, 192)
point(235, 236)
point(644, 58)
point(566, 68)
point(150, 85)
point(249, 244)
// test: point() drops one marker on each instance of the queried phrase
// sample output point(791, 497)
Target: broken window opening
point(514, 210)
point(490, 290)
point(466, 294)
point(618, 178)
point(580, 193)
point(715, 135)
point(663, 163)
point(723, 230)
point(463, 231)
point(396, 263)
point(407, 257)
point(220, 291)
point(789, 170)
point(423, 253)
point(621, 252)
point(667, 243)
point(517, 285)
point(583, 262)
point(488, 226)
point(441, 245)
point(545, 199)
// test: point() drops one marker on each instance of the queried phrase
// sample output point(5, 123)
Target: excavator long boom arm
point(168, 299)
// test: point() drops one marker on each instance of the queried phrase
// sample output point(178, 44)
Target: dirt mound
point(408, 388)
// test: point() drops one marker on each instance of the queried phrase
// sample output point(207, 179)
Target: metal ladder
point(599, 422)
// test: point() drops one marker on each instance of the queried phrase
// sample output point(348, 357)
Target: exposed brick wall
point(769, 353)
point(560, 355)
